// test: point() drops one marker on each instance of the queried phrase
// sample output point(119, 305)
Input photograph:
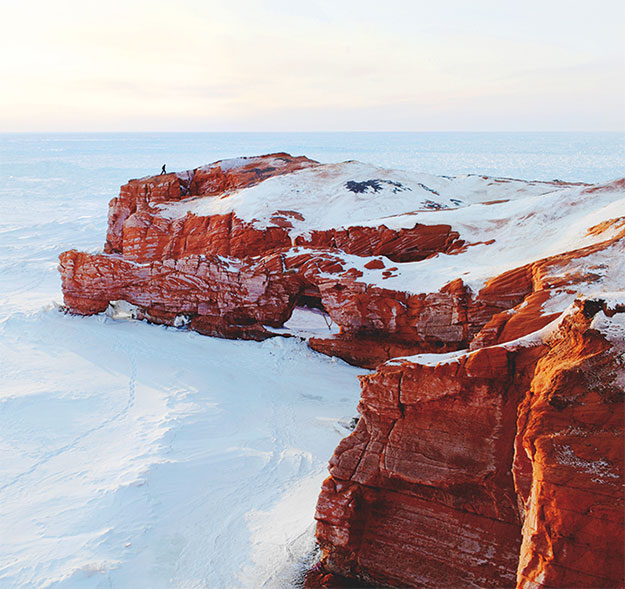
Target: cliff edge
point(499, 467)
point(489, 451)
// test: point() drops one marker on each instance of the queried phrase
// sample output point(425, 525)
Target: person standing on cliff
point(163, 169)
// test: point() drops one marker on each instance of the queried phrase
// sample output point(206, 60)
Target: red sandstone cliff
point(177, 243)
point(490, 468)
point(497, 466)
point(569, 455)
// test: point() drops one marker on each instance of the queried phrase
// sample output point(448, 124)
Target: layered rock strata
point(569, 455)
point(499, 467)
point(222, 249)
point(494, 457)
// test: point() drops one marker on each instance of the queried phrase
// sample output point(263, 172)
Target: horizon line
point(59, 132)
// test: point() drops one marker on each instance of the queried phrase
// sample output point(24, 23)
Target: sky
point(318, 65)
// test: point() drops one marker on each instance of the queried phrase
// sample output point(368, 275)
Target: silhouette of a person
point(163, 169)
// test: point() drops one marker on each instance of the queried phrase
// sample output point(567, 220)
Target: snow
point(395, 193)
point(140, 455)
point(601, 469)
point(305, 323)
point(430, 359)
point(135, 455)
point(236, 162)
point(526, 221)
point(228, 165)
point(613, 299)
point(613, 328)
point(524, 229)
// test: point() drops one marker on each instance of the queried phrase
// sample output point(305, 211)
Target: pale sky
point(314, 65)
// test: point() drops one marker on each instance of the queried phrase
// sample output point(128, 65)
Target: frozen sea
point(134, 455)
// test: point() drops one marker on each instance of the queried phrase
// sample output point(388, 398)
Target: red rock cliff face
point(214, 295)
point(376, 323)
point(141, 196)
point(498, 467)
point(494, 460)
point(156, 259)
point(569, 458)
point(172, 267)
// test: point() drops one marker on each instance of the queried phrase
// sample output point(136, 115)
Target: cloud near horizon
point(318, 65)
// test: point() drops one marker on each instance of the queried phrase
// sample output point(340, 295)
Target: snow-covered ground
point(135, 455)
point(351, 193)
point(142, 456)
point(506, 222)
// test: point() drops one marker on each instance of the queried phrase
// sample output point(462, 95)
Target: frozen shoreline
point(138, 455)
point(142, 455)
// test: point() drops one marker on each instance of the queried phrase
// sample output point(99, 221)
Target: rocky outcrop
point(494, 457)
point(497, 467)
point(191, 244)
point(142, 196)
point(241, 297)
point(172, 266)
point(404, 245)
point(427, 474)
point(207, 293)
point(140, 232)
point(148, 236)
point(245, 296)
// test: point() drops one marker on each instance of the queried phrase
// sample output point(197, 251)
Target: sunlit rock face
point(569, 459)
point(489, 451)
point(492, 468)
